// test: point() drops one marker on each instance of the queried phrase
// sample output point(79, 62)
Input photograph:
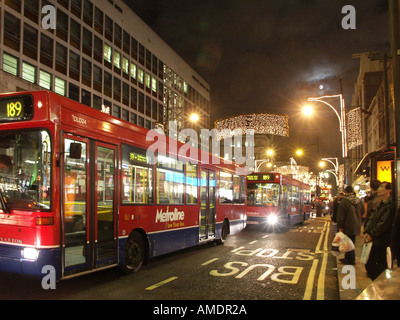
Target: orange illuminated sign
point(384, 170)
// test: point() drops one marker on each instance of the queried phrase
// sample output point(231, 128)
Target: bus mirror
point(75, 150)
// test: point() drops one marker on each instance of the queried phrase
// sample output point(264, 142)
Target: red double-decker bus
point(80, 192)
point(276, 199)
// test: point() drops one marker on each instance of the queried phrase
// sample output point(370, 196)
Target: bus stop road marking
point(161, 283)
point(209, 261)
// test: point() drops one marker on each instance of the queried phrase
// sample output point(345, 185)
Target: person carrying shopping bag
point(378, 230)
point(349, 216)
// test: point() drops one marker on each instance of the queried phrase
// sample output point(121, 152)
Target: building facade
point(101, 54)
point(373, 157)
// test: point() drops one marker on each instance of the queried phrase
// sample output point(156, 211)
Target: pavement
point(385, 287)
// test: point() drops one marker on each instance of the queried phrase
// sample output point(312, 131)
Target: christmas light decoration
point(261, 123)
point(354, 129)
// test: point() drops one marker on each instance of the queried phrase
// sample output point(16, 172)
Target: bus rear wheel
point(134, 254)
point(224, 233)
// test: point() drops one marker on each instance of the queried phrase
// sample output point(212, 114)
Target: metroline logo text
point(169, 215)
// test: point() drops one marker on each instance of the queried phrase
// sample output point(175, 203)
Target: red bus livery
point(80, 193)
point(276, 199)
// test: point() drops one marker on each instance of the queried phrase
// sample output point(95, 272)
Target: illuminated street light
point(341, 117)
point(194, 117)
point(299, 152)
point(308, 110)
point(270, 152)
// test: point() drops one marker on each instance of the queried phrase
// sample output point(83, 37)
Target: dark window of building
point(107, 84)
point(75, 34)
point(76, 7)
point(125, 94)
point(88, 12)
point(160, 113)
point(148, 59)
point(73, 92)
point(141, 54)
point(133, 98)
point(141, 103)
point(97, 78)
point(64, 3)
point(11, 31)
point(108, 29)
point(61, 58)
point(127, 42)
point(31, 10)
point(97, 102)
point(154, 107)
point(15, 4)
point(133, 118)
point(117, 89)
point(125, 114)
point(86, 72)
point(46, 50)
point(98, 20)
point(116, 112)
point(117, 35)
point(86, 98)
point(140, 121)
point(87, 42)
point(98, 49)
point(62, 25)
point(74, 65)
point(134, 48)
point(30, 41)
point(148, 106)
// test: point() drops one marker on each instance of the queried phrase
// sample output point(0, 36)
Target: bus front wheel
point(134, 253)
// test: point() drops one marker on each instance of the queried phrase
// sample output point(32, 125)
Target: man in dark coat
point(373, 202)
point(349, 216)
point(378, 230)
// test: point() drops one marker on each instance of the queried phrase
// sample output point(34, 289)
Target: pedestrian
point(335, 206)
point(373, 202)
point(349, 215)
point(395, 238)
point(378, 230)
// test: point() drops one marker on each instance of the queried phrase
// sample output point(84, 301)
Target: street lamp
point(341, 117)
point(336, 166)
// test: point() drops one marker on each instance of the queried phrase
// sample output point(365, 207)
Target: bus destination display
point(16, 108)
point(261, 177)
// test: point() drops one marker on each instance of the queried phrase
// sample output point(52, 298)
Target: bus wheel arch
point(225, 230)
point(135, 252)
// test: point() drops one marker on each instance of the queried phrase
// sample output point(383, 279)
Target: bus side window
point(137, 176)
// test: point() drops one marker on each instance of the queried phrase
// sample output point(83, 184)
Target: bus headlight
point(30, 253)
point(272, 219)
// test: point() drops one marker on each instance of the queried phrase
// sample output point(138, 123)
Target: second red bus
point(276, 199)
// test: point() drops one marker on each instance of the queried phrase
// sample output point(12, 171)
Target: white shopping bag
point(366, 249)
point(341, 244)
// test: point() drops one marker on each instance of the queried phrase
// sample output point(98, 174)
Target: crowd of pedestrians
point(373, 216)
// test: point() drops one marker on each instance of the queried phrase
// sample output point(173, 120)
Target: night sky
point(270, 55)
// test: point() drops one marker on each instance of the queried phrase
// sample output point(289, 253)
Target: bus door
point(207, 203)
point(88, 205)
point(301, 204)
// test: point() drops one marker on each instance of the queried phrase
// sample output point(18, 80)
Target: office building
point(101, 54)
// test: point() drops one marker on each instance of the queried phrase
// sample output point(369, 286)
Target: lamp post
point(335, 165)
point(341, 117)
